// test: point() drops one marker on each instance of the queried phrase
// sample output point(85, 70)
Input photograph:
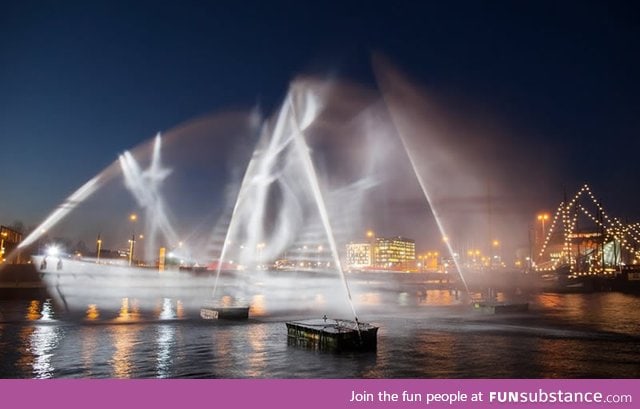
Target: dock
point(332, 334)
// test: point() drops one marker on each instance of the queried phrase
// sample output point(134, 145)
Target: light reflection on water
point(38, 347)
point(166, 342)
point(564, 335)
point(90, 342)
point(92, 313)
point(124, 339)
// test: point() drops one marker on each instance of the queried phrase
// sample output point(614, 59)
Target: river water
point(426, 335)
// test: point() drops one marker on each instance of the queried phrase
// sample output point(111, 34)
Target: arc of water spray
point(70, 203)
point(381, 65)
point(312, 177)
point(145, 188)
point(425, 191)
point(232, 222)
point(262, 163)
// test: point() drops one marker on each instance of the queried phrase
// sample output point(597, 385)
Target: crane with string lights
point(584, 244)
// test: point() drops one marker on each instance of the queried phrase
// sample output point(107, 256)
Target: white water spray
point(312, 177)
point(145, 188)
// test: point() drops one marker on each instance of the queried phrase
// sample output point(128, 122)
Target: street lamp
point(132, 217)
point(542, 218)
point(99, 244)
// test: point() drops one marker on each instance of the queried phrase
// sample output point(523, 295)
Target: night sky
point(80, 82)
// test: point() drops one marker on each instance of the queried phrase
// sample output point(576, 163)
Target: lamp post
point(99, 248)
point(132, 217)
point(496, 259)
point(542, 218)
point(371, 238)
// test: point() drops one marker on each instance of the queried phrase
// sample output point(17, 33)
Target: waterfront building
point(395, 253)
point(359, 255)
point(9, 240)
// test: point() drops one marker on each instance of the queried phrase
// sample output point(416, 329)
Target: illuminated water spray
point(303, 150)
point(145, 185)
point(281, 162)
point(441, 229)
point(389, 87)
point(73, 201)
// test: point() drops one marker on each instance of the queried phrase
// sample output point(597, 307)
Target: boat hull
point(332, 335)
point(487, 307)
point(224, 313)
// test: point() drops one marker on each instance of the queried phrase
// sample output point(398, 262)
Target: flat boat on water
point(216, 312)
point(332, 334)
point(497, 307)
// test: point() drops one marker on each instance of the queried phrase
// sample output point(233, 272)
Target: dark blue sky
point(82, 81)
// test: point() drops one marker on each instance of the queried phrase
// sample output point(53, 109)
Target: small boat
point(495, 307)
point(332, 334)
point(213, 312)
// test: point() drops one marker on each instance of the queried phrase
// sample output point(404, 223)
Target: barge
point(212, 312)
point(332, 334)
point(495, 307)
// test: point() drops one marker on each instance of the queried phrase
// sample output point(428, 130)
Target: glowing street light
point(99, 245)
point(542, 218)
point(132, 217)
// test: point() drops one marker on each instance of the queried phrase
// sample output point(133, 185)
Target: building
point(9, 240)
point(359, 255)
point(395, 253)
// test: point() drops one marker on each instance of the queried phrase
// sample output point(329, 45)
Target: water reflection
point(438, 298)
point(167, 313)
point(33, 311)
point(123, 338)
point(166, 344)
point(92, 313)
point(47, 311)
point(90, 347)
point(128, 311)
point(180, 312)
point(603, 311)
point(39, 343)
point(257, 356)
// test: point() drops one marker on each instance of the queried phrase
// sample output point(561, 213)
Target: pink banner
point(326, 394)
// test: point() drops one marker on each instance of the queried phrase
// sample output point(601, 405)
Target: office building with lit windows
point(359, 255)
point(396, 253)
